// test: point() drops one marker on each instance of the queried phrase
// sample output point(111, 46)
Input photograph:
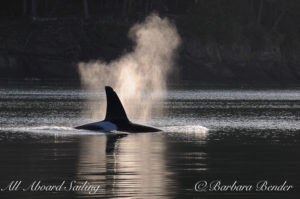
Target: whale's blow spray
point(138, 76)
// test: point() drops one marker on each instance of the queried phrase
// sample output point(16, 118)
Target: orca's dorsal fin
point(114, 109)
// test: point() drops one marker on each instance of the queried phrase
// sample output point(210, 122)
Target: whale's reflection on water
point(136, 165)
point(125, 165)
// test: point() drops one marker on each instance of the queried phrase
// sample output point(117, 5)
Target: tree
point(260, 11)
point(25, 5)
point(86, 9)
point(33, 8)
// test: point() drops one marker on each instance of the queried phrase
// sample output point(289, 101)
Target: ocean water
point(224, 135)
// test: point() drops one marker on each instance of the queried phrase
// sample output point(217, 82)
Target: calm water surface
point(228, 135)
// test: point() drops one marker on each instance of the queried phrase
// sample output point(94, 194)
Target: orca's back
point(114, 109)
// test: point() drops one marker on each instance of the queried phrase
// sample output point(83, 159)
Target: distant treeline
point(255, 22)
point(92, 8)
point(221, 39)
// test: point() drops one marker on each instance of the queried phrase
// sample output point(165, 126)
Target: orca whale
point(116, 118)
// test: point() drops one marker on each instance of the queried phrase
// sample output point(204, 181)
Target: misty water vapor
point(138, 76)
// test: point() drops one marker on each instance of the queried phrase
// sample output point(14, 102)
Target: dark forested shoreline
point(230, 42)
